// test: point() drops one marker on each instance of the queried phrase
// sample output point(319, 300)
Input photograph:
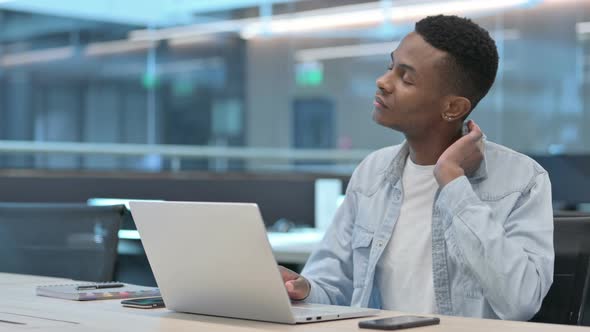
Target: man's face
point(409, 98)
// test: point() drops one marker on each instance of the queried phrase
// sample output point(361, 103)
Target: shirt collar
point(396, 167)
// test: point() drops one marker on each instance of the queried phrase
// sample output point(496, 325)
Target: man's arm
point(513, 261)
point(329, 268)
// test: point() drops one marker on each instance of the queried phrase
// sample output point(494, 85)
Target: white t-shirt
point(404, 272)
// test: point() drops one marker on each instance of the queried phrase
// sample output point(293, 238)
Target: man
point(446, 222)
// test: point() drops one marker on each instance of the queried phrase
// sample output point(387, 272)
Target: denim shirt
point(492, 237)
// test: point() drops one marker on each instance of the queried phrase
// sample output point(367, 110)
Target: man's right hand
point(461, 158)
point(297, 286)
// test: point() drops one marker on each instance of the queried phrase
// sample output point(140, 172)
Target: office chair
point(74, 241)
point(570, 213)
point(567, 300)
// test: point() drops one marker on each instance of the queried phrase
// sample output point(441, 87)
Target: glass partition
point(258, 86)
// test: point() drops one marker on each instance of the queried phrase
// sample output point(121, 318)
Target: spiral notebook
point(85, 291)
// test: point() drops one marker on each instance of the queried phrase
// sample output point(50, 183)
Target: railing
point(179, 152)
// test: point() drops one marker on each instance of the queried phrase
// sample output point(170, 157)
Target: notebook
point(71, 292)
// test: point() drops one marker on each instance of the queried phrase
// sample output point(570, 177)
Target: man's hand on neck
point(427, 147)
point(461, 158)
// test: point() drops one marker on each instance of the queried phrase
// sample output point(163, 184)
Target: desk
point(294, 247)
point(288, 248)
point(291, 249)
point(20, 304)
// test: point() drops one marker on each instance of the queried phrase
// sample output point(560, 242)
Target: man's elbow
point(522, 312)
point(525, 308)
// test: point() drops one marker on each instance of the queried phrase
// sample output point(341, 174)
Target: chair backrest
point(74, 241)
point(567, 299)
point(570, 213)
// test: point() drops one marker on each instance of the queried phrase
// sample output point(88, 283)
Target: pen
point(99, 286)
point(11, 322)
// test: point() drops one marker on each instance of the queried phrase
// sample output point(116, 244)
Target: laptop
point(215, 259)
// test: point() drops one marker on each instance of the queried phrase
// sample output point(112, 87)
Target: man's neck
point(426, 150)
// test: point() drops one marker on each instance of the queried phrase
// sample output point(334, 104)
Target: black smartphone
point(398, 322)
point(144, 303)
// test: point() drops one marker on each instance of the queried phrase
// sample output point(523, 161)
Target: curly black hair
point(473, 58)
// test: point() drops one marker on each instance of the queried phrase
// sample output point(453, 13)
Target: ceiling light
point(330, 18)
point(347, 51)
point(306, 21)
point(372, 49)
point(37, 56)
point(117, 47)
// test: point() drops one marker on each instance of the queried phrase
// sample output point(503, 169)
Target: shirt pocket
point(465, 283)
point(361, 251)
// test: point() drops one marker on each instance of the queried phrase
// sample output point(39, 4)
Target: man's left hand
point(462, 157)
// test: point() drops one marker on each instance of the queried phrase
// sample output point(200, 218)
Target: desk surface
point(20, 304)
point(294, 247)
point(291, 247)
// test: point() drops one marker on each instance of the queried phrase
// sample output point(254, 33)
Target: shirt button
point(380, 244)
point(397, 194)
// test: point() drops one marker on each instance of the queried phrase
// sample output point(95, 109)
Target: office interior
point(260, 101)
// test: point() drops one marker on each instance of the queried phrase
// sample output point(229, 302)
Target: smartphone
point(144, 303)
point(398, 323)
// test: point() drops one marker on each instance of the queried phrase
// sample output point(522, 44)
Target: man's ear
point(456, 108)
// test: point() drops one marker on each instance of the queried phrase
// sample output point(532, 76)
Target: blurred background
point(243, 89)
point(265, 101)
point(257, 86)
